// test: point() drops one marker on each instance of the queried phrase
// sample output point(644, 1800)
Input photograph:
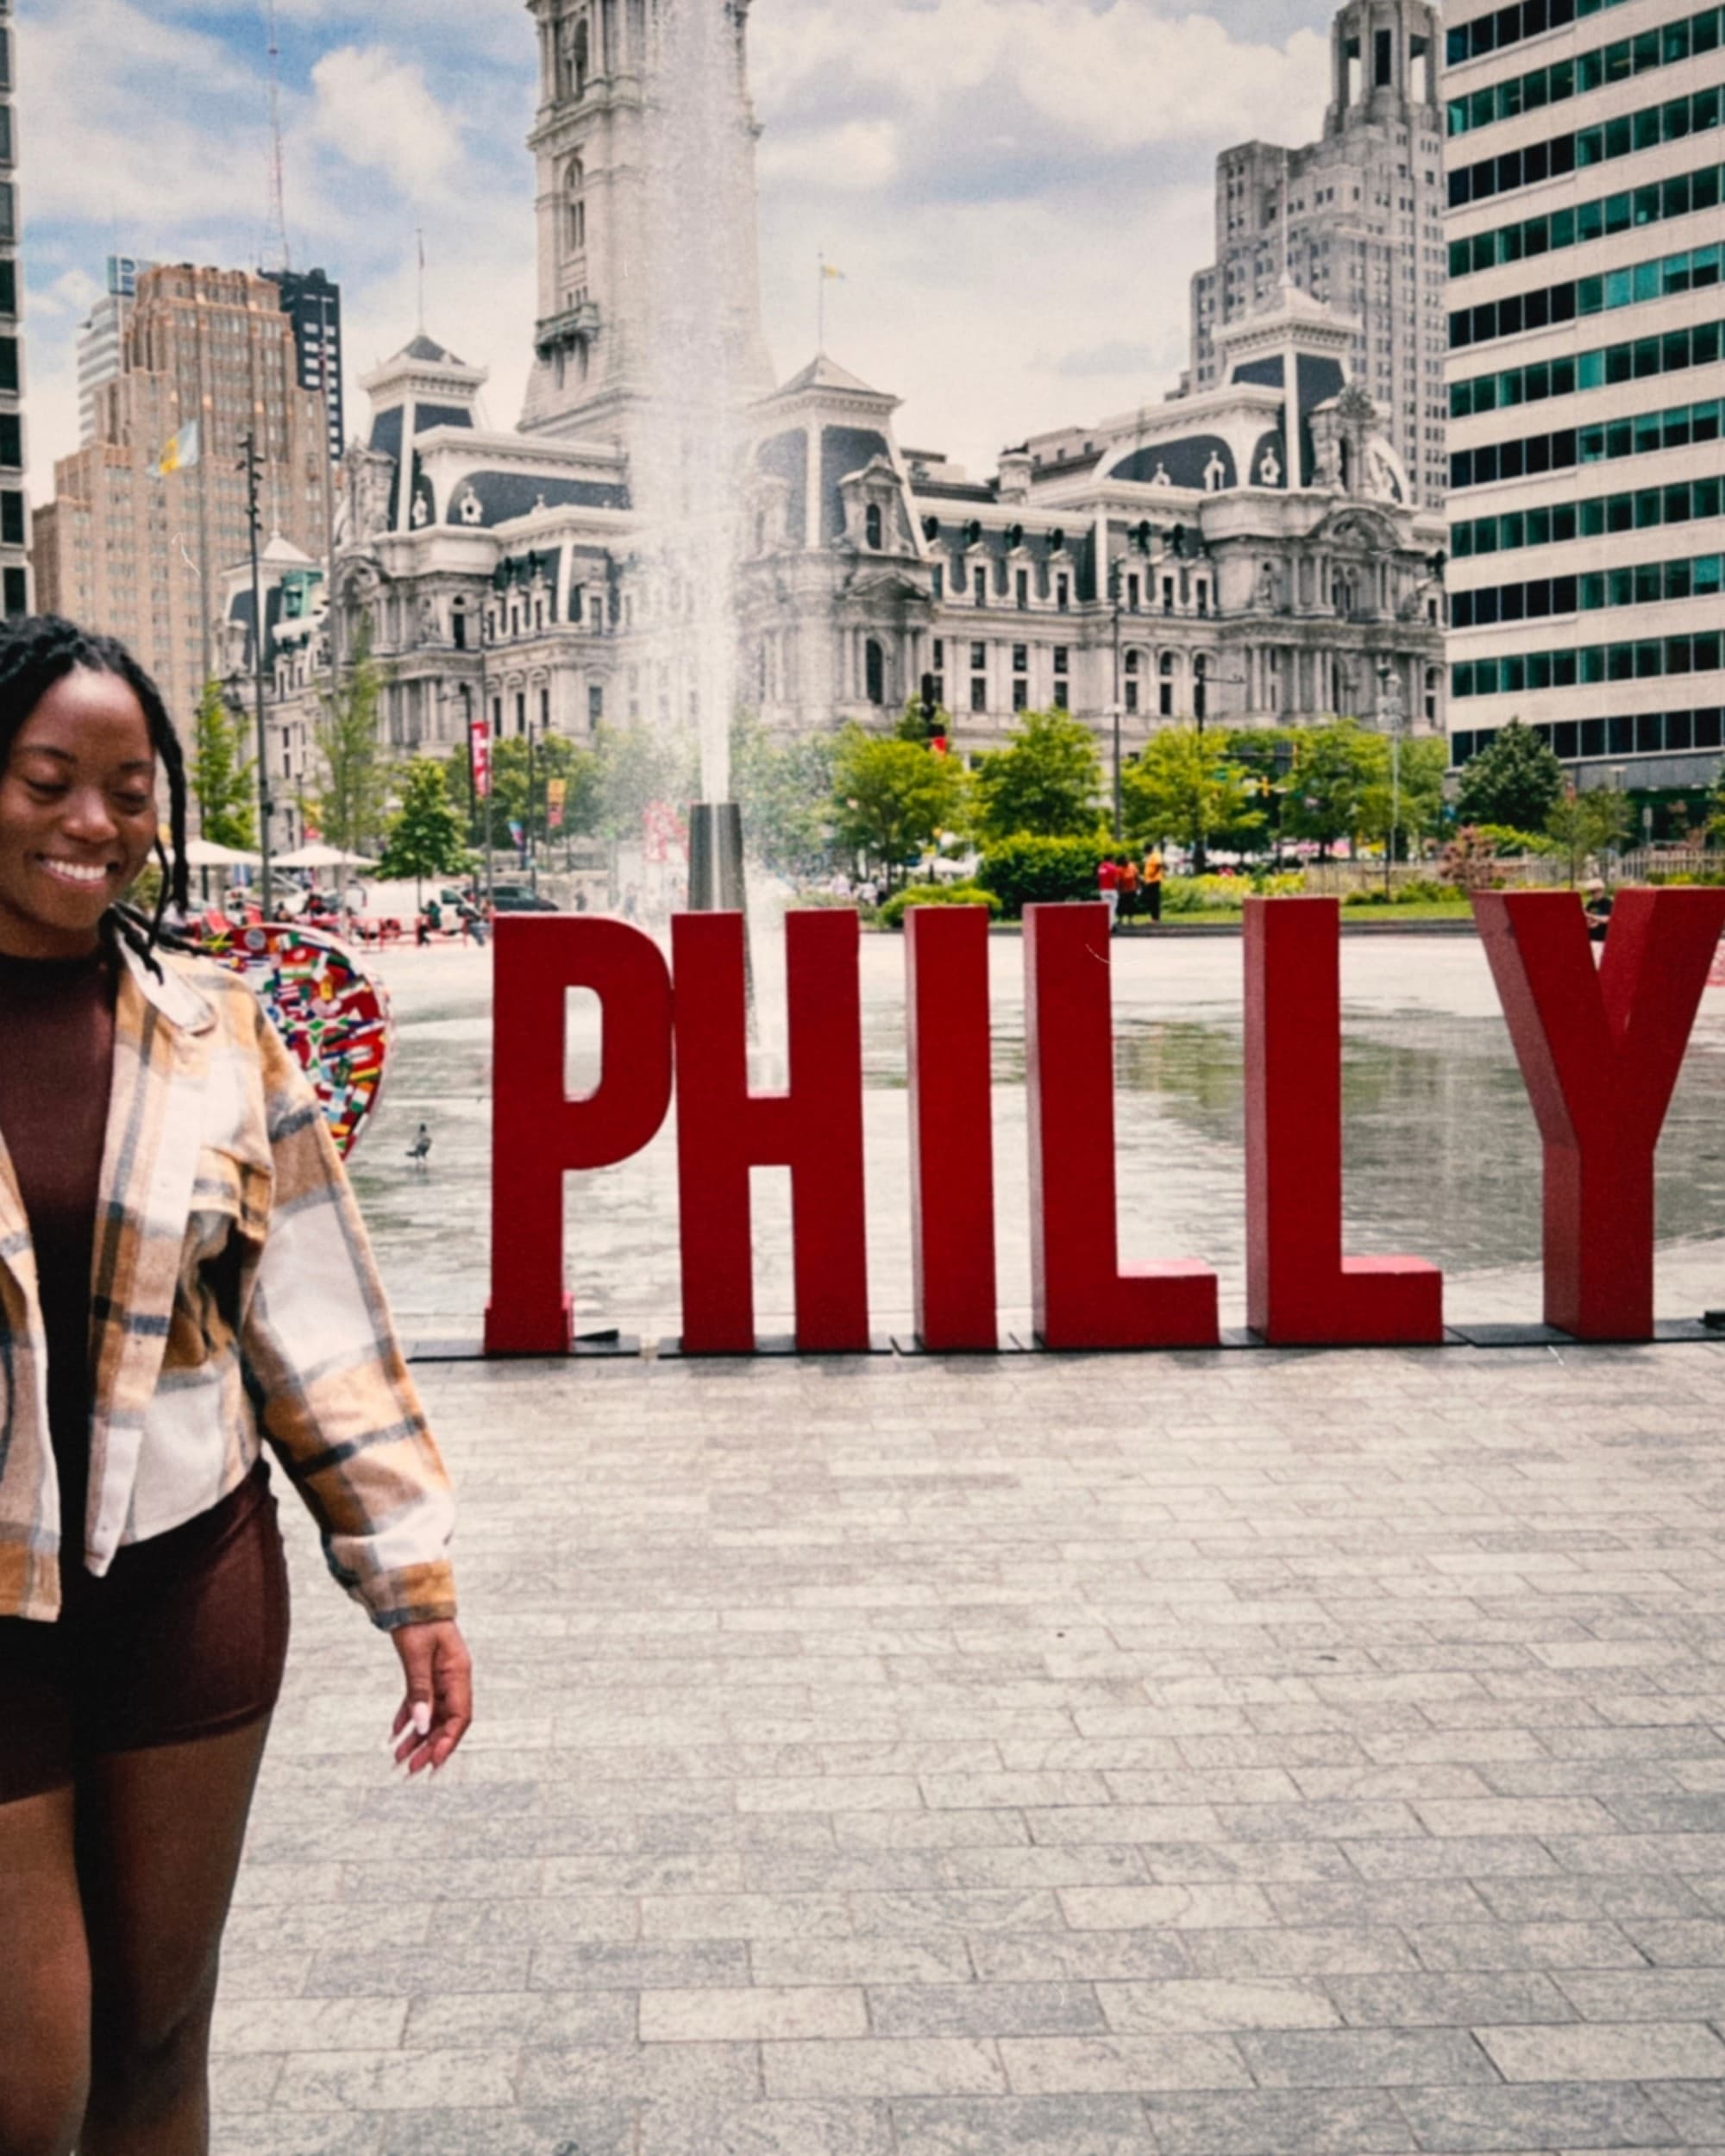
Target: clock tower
point(619, 209)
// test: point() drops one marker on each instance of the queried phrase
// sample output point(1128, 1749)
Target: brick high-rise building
point(1354, 219)
point(1587, 384)
point(128, 549)
point(15, 512)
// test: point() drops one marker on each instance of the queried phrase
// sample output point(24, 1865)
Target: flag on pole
point(181, 453)
point(556, 796)
point(827, 271)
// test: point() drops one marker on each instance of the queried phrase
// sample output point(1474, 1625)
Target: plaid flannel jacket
point(234, 1297)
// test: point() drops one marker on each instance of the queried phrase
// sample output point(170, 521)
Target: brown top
point(56, 1070)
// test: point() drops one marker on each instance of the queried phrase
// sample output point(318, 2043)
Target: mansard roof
point(427, 349)
point(822, 372)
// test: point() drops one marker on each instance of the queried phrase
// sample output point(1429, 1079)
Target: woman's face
point(78, 815)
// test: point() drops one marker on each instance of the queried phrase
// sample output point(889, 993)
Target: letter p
point(539, 1133)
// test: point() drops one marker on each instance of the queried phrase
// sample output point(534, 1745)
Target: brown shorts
point(186, 1637)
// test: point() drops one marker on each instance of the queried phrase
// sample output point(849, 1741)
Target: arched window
point(1164, 686)
point(876, 529)
point(1431, 694)
point(575, 208)
point(458, 623)
point(1134, 667)
point(1200, 667)
point(875, 662)
point(583, 56)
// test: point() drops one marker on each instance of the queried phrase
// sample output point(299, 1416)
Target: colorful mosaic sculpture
point(334, 1017)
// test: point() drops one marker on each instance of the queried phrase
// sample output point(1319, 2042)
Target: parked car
point(519, 897)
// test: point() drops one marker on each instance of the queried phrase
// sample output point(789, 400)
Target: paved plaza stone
point(1191, 1755)
point(1280, 1753)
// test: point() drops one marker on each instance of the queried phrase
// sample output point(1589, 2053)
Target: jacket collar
point(172, 994)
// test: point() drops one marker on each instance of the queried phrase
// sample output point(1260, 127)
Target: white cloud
point(855, 158)
point(1117, 75)
point(69, 299)
point(377, 111)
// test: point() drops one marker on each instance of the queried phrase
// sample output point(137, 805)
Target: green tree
point(1424, 764)
point(350, 806)
point(1187, 786)
point(785, 790)
point(224, 788)
point(1047, 781)
point(1517, 781)
point(1588, 824)
point(1337, 766)
point(519, 782)
point(425, 836)
point(638, 765)
point(890, 798)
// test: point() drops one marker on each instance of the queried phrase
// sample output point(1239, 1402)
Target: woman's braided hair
point(41, 649)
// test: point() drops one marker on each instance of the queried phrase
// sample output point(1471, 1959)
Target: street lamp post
point(1116, 570)
point(1392, 715)
point(251, 466)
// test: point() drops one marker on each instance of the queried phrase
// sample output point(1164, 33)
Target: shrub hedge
point(892, 914)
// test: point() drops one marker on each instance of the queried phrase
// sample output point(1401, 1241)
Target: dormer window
point(875, 528)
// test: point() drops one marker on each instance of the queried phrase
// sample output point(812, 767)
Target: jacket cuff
point(424, 1596)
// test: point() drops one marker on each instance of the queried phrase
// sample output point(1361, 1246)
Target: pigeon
point(419, 1152)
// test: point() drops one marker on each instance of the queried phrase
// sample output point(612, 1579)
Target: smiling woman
point(184, 1277)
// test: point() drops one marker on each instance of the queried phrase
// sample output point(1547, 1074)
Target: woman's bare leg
point(45, 1991)
point(159, 1834)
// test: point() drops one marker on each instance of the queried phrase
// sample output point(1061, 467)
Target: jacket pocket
point(224, 1239)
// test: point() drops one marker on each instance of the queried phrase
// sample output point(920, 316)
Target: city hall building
point(1250, 553)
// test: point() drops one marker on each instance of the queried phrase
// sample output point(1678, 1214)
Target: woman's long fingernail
point(422, 1718)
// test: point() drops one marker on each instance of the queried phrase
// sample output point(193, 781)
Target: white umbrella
point(203, 853)
point(321, 857)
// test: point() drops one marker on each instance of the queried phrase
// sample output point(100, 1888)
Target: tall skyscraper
point(312, 303)
point(101, 337)
point(1354, 219)
point(15, 511)
point(137, 549)
point(1586, 168)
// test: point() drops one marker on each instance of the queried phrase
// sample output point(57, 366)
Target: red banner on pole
point(479, 748)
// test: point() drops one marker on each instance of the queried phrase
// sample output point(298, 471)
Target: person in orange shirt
point(1153, 884)
point(1128, 888)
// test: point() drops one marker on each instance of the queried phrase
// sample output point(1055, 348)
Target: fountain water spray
point(704, 362)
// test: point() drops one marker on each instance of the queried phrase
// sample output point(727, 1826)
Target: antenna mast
point(279, 258)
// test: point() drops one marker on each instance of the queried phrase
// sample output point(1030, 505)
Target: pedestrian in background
point(1109, 883)
point(1154, 869)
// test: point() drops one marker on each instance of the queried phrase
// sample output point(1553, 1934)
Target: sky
point(1017, 190)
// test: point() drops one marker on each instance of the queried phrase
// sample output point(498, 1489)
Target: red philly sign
point(1600, 1049)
